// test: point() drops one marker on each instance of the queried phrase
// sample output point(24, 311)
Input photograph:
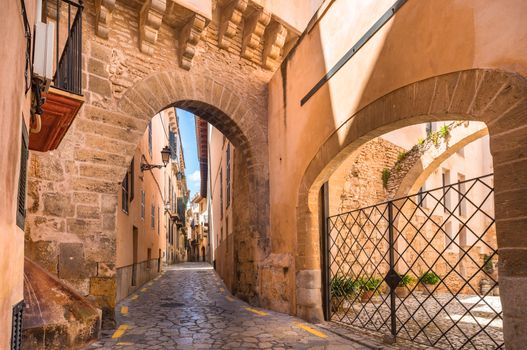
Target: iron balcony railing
point(68, 64)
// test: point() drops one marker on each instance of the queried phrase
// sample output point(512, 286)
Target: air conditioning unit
point(43, 52)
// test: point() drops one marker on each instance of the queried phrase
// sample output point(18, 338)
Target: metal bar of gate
point(393, 327)
point(325, 248)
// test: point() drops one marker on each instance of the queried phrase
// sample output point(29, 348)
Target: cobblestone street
point(188, 308)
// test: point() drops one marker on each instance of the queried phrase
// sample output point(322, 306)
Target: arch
point(246, 129)
point(494, 97)
point(415, 177)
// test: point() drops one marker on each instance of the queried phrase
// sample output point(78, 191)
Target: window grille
point(132, 179)
point(16, 329)
point(153, 216)
point(22, 180)
point(124, 194)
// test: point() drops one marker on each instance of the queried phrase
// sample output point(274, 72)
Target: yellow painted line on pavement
point(125, 343)
point(229, 298)
point(144, 289)
point(124, 310)
point(258, 312)
point(120, 331)
point(222, 290)
point(311, 330)
point(133, 297)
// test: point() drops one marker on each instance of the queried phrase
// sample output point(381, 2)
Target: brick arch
point(494, 97)
point(232, 115)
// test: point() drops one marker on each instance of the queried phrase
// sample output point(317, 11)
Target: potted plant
point(368, 287)
point(403, 290)
point(341, 287)
point(429, 279)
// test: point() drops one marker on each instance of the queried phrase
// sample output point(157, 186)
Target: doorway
point(134, 254)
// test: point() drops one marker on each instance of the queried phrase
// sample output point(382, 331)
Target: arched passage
point(494, 97)
point(216, 104)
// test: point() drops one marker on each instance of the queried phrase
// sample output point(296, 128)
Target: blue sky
point(190, 150)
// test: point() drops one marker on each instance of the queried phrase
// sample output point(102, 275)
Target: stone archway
point(231, 115)
point(73, 190)
point(494, 97)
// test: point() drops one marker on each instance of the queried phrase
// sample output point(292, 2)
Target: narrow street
point(187, 307)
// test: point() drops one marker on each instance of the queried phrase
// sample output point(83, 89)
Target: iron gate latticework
point(419, 268)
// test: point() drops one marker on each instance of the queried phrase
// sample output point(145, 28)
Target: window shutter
point(22, 180)
point(132, 179)
point(16, 329)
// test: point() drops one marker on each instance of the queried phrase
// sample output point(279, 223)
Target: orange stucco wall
point(423, 39)
point(14, 110)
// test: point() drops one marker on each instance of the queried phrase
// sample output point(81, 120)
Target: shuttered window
point(124, 194)
point(22, 180)
point(16, 329)
point(132, 179)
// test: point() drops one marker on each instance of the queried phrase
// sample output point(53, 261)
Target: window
point(148, 257)
point(21, 198)
point(228, 157)
point(227, 233)
point(445, 178)
point(16, 326)
point(124, 194)
point(132, 179)
point(461, 191)
point(158, 220)
point(221, 193)
point(153, 216)
point(150, 139)
point(448, 236)
point(429, 128)
point(142, 205)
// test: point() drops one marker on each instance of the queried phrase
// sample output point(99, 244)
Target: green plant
point(401, 156)
point(406, 280)
point(369, 284)
point(444, 131)
point(342, 286)
point(429, 278)
point(488, 264)
point(435, 138)
point(420, 142)
point(385, 177)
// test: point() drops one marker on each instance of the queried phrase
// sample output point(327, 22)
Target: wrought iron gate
point(420, 268)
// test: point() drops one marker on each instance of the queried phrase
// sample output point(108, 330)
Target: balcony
point(63, 99)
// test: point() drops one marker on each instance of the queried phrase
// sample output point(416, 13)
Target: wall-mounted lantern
point(165, 156)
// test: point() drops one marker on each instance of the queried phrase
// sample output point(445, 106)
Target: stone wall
point(72, 194)
point(357, 182)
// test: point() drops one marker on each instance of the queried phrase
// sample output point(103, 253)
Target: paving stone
point(186, 308)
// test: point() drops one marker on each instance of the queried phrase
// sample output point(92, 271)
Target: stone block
point(71, 261)
point(513, 262)
point(512, 233)
point(108, 222)
point(99, 86)
point(311, 279)
point(105, 269)
point(93, 185)
point(98, 68)
point(43, 252)
point(57, 204)
point(100, 52)
point(83, 227)
point(109, 204)
point(88, 212)
point(46, 168)
point(86, 198)
point(103, 286)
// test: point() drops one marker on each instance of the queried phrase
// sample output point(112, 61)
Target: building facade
point(149, 223)
point(221, 153)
